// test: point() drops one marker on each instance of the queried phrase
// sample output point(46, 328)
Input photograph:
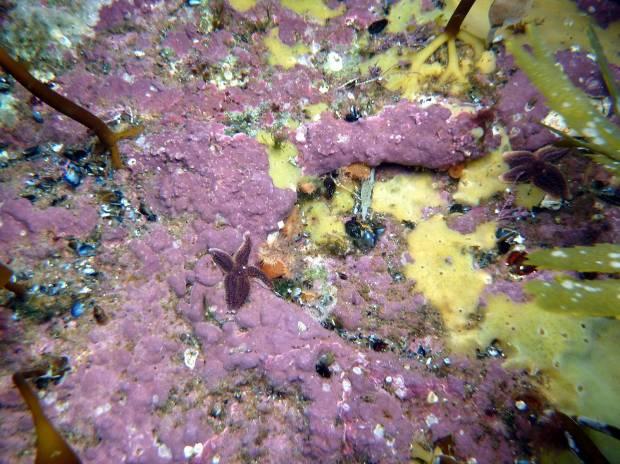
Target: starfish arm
point(222, 259)
point(518, 158)
point(551, 154)
point(253, 271)
point(242, 255)
point(517, 174)
point(237, 287)
point(551, 180)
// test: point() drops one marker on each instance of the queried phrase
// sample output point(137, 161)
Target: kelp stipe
point(107, 136)
point(51, 446)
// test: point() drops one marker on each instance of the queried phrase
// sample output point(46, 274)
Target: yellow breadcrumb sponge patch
point(323, 225)
point(444, 269)
point(405, 11)
point(575, 355)
point(480, 178)
point(406, 196)
point(487, 62)
point(342, 202)
point(242, 5)
point(283, 170)
point(313, 112)
point(423, 72)
point(281, 54)
point(323, 218)
point(313, 9)
point(527, 195)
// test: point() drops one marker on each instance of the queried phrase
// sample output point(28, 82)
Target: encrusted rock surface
point(405, 134)
point(174, 376)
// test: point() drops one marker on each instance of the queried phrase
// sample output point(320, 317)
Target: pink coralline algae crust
point(374, 298)
point(119, 12)
point(584, 72)
point(520, 108)
point(468, 222)
point(603, 11)
point(404, 134)
point(20, 219)
point(292, 26)
point(219, 178)
point(254, 391)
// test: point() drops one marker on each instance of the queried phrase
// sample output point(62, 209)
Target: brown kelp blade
point(456, 20)
point(579, 442)
point(5, 282)
point(5, 275)
point(51, 446)
point(67, 107)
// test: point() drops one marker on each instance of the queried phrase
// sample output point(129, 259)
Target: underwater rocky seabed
point(402, 331)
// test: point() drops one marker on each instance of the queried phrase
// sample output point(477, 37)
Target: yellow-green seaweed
point(594, 298)
point(562, 96)
point(602, 257)
point(603, 66)
point(611, 166)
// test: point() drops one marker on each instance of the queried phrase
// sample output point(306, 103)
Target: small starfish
point(238, 273)
point(536, 168)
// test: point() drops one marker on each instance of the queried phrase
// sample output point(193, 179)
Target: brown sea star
point(238, 273)
point(536, 168)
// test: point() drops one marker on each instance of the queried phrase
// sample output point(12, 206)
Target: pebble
point(431, 420)
point(5, 85)
point(377, 27)
point(190, 356)
point(77, 309)
point(38, 118)
point(85, 249)
point(73, 175)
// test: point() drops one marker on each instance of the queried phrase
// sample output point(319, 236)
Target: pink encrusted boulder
point(220, 178)
point(407, 134)
point(20, 219)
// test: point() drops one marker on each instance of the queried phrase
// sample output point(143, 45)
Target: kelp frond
point(563, 97)
point(592, 298)
point(603, 66)
point(602, 257)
